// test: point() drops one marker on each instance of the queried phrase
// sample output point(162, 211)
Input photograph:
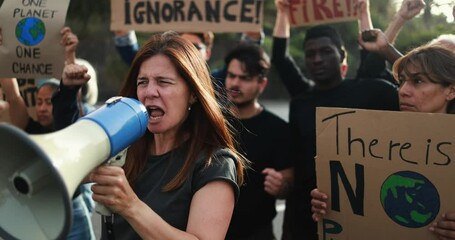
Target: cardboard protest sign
point(27, 88)
point(313, 12)
point(389, 175)
point(187, 15)
point(30, 31)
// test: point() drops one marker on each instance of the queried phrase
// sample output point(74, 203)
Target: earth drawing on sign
point(30, 31)
point(410, 199)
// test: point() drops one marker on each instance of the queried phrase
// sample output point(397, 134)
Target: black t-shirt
point(34, 127)
point(375, 94)
point(265, 141)
point(174, 206)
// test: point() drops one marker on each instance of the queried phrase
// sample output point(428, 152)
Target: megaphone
point(40, 173)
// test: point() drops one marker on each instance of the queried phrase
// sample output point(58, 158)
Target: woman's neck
point(163, 143)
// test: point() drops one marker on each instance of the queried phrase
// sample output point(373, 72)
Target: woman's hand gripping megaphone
point(118, 160)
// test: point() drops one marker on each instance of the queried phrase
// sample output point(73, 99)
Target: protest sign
point(313, 12)
point(187, 15)
point(31, 36)
point(388, 174)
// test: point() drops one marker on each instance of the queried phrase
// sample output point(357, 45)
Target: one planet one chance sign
point(31, 36)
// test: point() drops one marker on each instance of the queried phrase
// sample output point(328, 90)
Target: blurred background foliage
point(90, 20)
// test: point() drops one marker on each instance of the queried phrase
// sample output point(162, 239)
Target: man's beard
point(243, 104)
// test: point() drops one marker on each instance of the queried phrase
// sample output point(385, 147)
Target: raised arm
point(70, 41)
point(65, 110)
point(363, 8)
point(126, 45)
point(3, 106)
point(17, 109)
point(380, 45)
point(287, 69)
point(282, 25)
point(408, 10)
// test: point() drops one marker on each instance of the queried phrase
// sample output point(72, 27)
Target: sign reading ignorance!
point(30, 31)
point(389, 175)
point(313, 12)
point(187, 15)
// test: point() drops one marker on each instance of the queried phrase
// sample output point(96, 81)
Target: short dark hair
point(325, 31)
point(206, 37)
point(53, 83)
point(254, 58)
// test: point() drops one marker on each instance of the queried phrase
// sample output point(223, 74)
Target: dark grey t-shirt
point(174, 206)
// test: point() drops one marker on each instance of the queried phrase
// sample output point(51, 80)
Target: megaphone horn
point(40, 173)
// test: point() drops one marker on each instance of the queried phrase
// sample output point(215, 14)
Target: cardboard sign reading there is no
point(389, 175)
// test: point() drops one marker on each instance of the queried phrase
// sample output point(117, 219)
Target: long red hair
point(207, 128)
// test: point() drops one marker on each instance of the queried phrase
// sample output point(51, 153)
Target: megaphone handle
point(118, 160)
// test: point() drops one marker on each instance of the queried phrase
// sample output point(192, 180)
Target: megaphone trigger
point(118, 160)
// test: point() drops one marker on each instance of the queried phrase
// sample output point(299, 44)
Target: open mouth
point(234, 92)
point(155, 113)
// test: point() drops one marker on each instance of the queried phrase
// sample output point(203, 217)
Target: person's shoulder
point(272, 117)
point(372, 83)
point(305, 95)
point(218, 158)
point(223, 153)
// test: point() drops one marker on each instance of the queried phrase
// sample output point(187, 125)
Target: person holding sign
point(18, 111)
point(425, 75)
point(127, 45)
point(181, 179)
point(3, 106)
point(82, 225)
point(264, 139)
point(323, 57)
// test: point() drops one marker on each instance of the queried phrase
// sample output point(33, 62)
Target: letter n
point(355, 199)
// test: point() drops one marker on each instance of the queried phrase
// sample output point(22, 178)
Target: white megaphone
point(40, 173)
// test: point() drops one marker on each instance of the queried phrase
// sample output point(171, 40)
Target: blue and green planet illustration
point(30, 31)
point(410, 199)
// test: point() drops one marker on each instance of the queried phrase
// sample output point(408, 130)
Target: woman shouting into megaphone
point(181, 179)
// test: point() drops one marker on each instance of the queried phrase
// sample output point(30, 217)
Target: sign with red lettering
point(187, 15)
point(313, 12)
point(388, 174)
point(31, 36)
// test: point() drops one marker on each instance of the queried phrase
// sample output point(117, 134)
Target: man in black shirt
point(263, 139)
point(323, 57)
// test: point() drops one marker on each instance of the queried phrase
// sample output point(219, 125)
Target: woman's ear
point(451, 95)
point(193, 99)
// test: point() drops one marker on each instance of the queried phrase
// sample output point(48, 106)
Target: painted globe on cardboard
point(410, 199)
point(30, 31)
